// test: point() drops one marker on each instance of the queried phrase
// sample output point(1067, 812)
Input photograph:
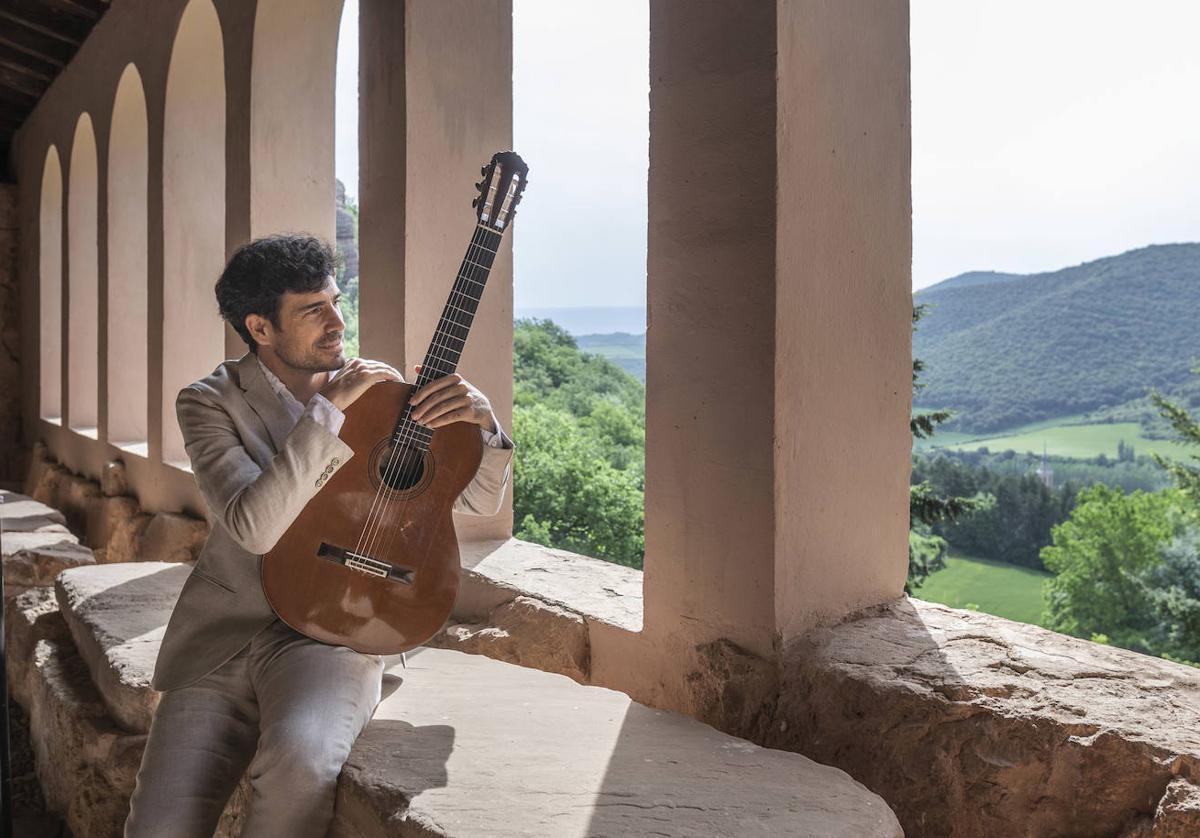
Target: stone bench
point(464, 745)
point(36, 544)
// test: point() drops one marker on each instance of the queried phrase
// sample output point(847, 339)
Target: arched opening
point(83, 295)
point(128, 170)
point(193, 211)
point(50, 289)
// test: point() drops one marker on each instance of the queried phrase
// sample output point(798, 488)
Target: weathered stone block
point(117, 614)
point(170, 537)
point(22, 513)
point(75, 493)
point(125, 545)
point(969, 724)
point(28, 618)
point(39, 565)
point(105, 515)
point(113, 480)
point(528, 632)
point(45, 477)
point(85, 763)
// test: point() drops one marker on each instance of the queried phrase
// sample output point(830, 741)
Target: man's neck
point(302, 384)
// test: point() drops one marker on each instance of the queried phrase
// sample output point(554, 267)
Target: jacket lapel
point(263, 400)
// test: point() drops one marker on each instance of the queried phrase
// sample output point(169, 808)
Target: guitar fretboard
point(453, 326)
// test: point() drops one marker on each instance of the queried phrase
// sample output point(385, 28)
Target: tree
point(1102, 558)
point(1187, 430)
point(579, 469)
point(926, 551)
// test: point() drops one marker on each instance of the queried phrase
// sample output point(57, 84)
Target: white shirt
point(324, 411)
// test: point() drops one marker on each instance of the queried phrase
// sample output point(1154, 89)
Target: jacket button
point(320, 481)
point(335, 461)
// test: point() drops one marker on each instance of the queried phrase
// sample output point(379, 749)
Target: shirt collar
point(280, 388)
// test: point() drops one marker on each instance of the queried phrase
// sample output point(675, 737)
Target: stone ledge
point(22, 513)
point(463, 745)
point(117, 614)
point(594, 589)
point(539, 607)
point(968, 724)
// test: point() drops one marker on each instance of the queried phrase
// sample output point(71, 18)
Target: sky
point(1045, 133)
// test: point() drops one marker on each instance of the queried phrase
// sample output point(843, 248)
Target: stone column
point(435, 102)
point(778, 345)
point(12, 457)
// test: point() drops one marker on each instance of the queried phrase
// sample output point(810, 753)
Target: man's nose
point(337, 322)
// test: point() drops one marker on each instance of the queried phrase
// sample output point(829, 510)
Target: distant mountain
point(625, 350)
point(1007, 349)
point(589, 320)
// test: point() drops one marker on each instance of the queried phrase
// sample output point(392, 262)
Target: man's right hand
point(354, 379)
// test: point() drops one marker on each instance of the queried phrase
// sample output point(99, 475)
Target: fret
point(453, 327)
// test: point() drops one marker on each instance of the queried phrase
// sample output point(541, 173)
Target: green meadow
point(1061, 439)
point(997, 588)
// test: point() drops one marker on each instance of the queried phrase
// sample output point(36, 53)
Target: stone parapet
point(969, 724)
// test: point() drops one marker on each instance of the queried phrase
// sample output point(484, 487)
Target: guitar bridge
point(363, 563)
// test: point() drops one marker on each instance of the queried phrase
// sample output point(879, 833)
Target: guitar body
point(372, 561)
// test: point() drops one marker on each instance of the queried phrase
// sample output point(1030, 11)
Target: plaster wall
point(843, 327)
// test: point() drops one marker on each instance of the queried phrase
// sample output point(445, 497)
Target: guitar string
point(402, 441)
point(440, 347)
point(375, 516)
point(476, 274)
point(407, 436)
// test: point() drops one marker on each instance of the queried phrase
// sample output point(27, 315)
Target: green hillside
point(627, 351)
point(1005, 350)
point(1004, 590)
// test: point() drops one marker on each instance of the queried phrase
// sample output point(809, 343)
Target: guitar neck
point(454, 325)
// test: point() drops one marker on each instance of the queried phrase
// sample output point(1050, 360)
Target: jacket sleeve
point(484, 495)
point(255, 505)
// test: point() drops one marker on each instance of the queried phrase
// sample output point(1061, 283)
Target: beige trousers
point(287, 706)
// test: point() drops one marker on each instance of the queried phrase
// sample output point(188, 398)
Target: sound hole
point(401, 468)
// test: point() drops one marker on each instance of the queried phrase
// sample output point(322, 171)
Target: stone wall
point(108, 520)
point(12, 463)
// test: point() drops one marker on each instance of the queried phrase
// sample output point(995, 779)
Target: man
point(240, 688)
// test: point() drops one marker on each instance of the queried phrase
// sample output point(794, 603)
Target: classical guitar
point(372, 561)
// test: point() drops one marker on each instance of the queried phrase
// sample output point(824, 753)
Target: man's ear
point(260, 329)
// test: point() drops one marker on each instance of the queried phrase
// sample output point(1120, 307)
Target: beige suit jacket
point(256, 471)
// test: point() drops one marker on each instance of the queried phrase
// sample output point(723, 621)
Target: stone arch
point(50, 289)
point(292, 84)
point(128, 182)
point(83, 288)
point(193, 211)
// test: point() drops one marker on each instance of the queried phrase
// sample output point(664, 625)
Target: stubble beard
point(311, 358)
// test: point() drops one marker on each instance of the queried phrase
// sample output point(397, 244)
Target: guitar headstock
point(500, 190)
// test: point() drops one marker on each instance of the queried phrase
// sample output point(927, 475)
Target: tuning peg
point(479, 184)
point(483, 170)
point(474, 203)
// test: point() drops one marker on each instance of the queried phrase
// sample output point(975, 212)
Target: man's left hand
point(451, 398)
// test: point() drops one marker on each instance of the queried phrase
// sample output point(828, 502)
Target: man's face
point(309, 336)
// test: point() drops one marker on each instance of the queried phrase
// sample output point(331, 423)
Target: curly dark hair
point(261, 271)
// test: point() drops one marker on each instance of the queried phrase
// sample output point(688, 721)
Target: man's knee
point(308, 757)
